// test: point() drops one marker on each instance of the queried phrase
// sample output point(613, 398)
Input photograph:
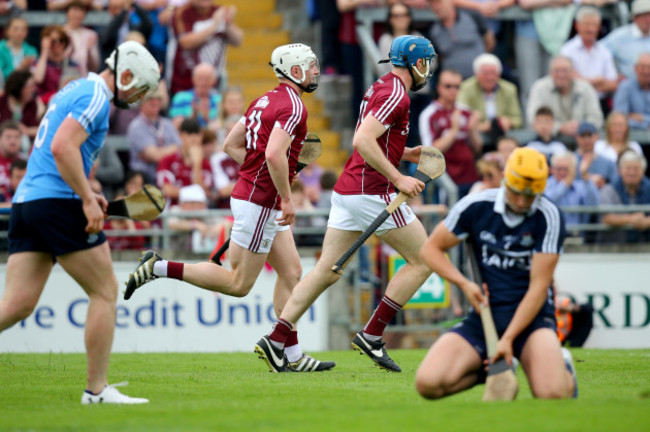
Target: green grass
point(224, 392)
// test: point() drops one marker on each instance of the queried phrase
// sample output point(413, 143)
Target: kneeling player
point(517, 236)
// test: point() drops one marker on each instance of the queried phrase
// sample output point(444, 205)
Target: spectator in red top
point(20, 102)
point(453, 129)
point(187, 166)
point(202, 31)
point(10, 140)
point(53, 61)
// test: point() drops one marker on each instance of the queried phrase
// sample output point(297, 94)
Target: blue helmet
point(405, 52)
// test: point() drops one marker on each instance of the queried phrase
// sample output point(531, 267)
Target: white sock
point(293, 353)
point(160, 268)
point(370, 337)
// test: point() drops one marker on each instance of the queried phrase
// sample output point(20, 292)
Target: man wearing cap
point(151, 137)
point(628, 41)
point(591, 166)
point(633, 95)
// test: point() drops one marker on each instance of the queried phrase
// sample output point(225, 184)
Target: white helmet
point(285, 57)
point(134, 57)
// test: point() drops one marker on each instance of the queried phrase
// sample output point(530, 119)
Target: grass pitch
point(228, 392)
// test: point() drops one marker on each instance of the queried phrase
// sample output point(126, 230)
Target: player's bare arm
point(542, 268)
point(433, 254)
point(235, 143)
point(365, 142)
point(276, 159)
point(66, 149)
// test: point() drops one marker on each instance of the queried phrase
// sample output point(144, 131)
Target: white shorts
point(357, 212)
point(255, 226)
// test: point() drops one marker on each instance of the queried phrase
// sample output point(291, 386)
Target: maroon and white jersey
point(173, 170)
point(386, 100)
point(434, 121)
point(225, 171)
point(5, 174)
point(280, 107)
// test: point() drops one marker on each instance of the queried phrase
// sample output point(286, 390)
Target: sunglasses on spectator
point(451, 86)
point(399, 15)
point(58, 40)
point(488, 175)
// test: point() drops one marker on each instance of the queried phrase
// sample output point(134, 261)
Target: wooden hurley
point(144, 205)
point(501, 383)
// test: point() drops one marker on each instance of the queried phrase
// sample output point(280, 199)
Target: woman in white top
point(617, 132)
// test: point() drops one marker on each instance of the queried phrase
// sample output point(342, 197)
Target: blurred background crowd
point(570, 78)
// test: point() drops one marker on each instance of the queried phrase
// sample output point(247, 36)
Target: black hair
point(16, 82)
point(190, 126)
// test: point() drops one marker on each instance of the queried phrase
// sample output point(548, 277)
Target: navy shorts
point(471, 328)
point(56, 226)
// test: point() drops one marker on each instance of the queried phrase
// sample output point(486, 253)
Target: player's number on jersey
point(253, 126)
point(42, 130)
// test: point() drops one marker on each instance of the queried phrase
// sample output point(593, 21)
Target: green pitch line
point(235, 392)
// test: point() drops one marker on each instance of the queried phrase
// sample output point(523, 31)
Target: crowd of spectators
point(566, 82)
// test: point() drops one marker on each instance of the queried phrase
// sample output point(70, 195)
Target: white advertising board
point(618, 287)
point(164, 316)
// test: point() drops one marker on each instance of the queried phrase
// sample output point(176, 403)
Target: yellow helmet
point(526, 171)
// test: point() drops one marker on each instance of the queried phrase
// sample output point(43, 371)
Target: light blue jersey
point(86, 100)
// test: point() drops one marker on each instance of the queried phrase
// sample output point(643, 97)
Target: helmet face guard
point(143, 67)
point(405, 51)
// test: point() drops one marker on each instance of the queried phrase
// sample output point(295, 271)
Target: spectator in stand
point(108, 170)
point(232, 107)
point(310, 179)
point(631, 187)
point(494, 98)
point(453, 129)
point(531, 56)
point(225, 171)
point(351, 55)
point(572, 100)
point(185, 167)
point(592, 61)
point(459, 37)
point(617, 138)
point(53, 62)
point(10, 140)
point(61, 5)
point(15, 53)
point(201, 102)
point(202, 31)
point(84, 41)
point(400, 23)
point(564, 188)
point(506, 145)
point(627, 42)
point(151, 138)
point(127, 16)
point(490, 168)
point(20, 103)
point(544, 142)
point(327, 182)
point(157, 41)
point(489, 9)
point(633, 95)
point(592, 166)
point(17, 171)
point(203, 231)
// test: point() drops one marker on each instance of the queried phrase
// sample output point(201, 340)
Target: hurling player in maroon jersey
point(266, 142)
point(362, 192)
